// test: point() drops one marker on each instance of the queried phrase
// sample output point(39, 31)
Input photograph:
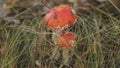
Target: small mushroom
point(60, 17)
point(66, 39)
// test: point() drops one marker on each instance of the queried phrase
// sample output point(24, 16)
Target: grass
point(29, 44)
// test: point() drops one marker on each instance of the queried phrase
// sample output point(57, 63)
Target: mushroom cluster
point(59, 18)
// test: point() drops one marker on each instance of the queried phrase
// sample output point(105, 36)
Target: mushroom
point(60, 17)
point(66, 39)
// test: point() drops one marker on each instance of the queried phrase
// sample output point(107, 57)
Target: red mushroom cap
point(60, 17)
point(66, 39)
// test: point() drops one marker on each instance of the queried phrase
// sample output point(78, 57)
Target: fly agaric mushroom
point(66, 39)
point(60, 17)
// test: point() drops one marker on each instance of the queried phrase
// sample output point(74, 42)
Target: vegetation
point(25, 40)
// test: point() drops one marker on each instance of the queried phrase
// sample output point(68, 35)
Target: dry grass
point(28, 44)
